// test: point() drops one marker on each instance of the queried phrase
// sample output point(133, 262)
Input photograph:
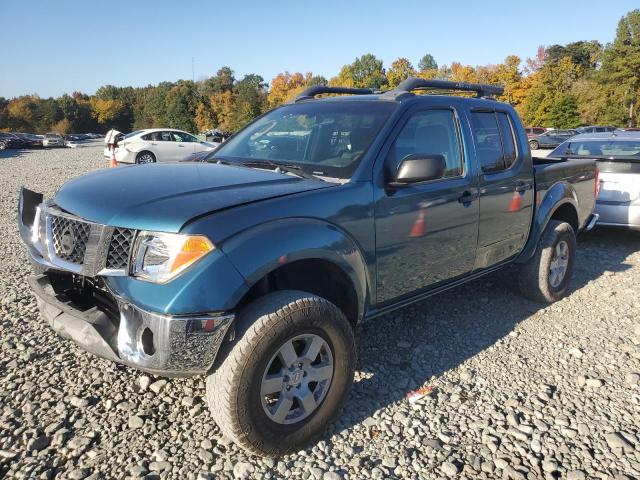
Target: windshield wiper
point(279, 167)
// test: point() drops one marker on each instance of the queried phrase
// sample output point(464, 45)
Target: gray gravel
point(519, 391)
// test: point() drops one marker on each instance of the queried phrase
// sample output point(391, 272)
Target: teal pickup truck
point(253, 266)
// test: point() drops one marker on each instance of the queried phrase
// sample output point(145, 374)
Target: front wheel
point(534, 144)
point(545, 277)
point(3, 146)
point(287, 374)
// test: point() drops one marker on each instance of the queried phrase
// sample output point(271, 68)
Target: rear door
point(426, 232)
point(506, 186)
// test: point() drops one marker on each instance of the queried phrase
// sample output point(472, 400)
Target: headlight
point(159, 257)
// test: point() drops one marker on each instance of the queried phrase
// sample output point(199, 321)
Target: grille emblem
point(68, 240)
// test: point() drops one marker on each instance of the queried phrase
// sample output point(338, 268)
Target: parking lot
point(518, 390)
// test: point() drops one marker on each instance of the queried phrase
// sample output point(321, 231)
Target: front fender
point(557, 195)
point(262, 249)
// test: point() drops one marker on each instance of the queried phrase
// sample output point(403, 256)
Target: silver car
point(618, 156)
point(53, 140)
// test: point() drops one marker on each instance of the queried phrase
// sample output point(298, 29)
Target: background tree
point(621, 66)
point(583, 53)
point(400, 70)
point(250, 100)
point(427, 62)
point(365, 72)
point(180, 106)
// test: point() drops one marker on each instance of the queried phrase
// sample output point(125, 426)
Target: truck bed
point(578, 173)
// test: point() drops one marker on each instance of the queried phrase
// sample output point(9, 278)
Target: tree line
point(562, 86)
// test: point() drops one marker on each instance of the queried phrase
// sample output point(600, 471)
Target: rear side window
point(508, 139)
point(495, 140)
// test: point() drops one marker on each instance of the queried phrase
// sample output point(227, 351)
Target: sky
point(56, 47)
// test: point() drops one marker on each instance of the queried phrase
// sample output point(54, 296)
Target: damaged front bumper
point(77, 303)
point(122, 332)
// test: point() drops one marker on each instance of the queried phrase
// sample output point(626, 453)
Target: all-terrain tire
point(234, 386)
point(534, 276)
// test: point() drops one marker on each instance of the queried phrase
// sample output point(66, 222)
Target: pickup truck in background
point(254, 266)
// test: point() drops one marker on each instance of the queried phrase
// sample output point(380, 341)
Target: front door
point(426, 232)
point(186, 145)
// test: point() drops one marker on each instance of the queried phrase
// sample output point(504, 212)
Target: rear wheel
point(145, 157)
point(534, 144)
point(546, 277)
point(286, 376)
point(3, 146)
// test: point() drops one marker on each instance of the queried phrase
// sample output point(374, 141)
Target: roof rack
point(414, 83)
point(311, 92)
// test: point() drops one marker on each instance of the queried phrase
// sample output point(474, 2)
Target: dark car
point(9, 140)
point(254, 267)
point(29, 140)
point(550, 139)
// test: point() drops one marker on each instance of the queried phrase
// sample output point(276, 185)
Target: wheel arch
point(560, 202)
point(302, 254)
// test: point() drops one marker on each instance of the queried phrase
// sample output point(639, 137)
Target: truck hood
point(165, 197)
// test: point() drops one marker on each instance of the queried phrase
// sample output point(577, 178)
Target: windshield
point(322, 138)
point(599, 148)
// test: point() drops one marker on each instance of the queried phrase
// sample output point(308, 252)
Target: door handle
point(522, 187)
point(181, 146)
point(153, 143)
point(467, 197)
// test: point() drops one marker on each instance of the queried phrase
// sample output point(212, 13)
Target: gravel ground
point(519, 391)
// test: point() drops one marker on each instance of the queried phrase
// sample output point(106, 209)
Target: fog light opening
point(146, 342)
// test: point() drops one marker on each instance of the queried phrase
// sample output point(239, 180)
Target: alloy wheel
point(297, 379)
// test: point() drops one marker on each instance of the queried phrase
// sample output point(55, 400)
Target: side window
point(495, 140)
point(487, 137)
point(433, 132)
point(508, 139)
point(182, 137)
point(164, 137)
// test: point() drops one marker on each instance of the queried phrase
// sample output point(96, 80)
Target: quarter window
point(431, 132)
point(508, 139)
point(495, 140)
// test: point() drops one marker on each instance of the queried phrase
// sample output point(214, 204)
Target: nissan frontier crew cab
point(254, 266)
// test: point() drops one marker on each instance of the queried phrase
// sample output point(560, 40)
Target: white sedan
point(159, 145)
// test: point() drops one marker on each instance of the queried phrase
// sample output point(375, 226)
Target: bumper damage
point(121, 332)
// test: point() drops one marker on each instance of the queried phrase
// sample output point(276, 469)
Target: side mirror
point(420, 167)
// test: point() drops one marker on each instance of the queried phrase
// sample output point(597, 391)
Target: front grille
point(119, 248)
point(70, 238)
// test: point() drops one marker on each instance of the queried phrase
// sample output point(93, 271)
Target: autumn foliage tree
point(578, 83)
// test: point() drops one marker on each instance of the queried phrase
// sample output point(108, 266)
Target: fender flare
point(559, 194)
point(262, 249)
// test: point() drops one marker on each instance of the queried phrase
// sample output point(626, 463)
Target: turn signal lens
point(160, 257)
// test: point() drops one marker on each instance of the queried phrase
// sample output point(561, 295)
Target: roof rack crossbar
point(482, 90)
point(311, 92)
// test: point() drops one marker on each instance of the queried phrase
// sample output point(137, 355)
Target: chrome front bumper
point(160, 344)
